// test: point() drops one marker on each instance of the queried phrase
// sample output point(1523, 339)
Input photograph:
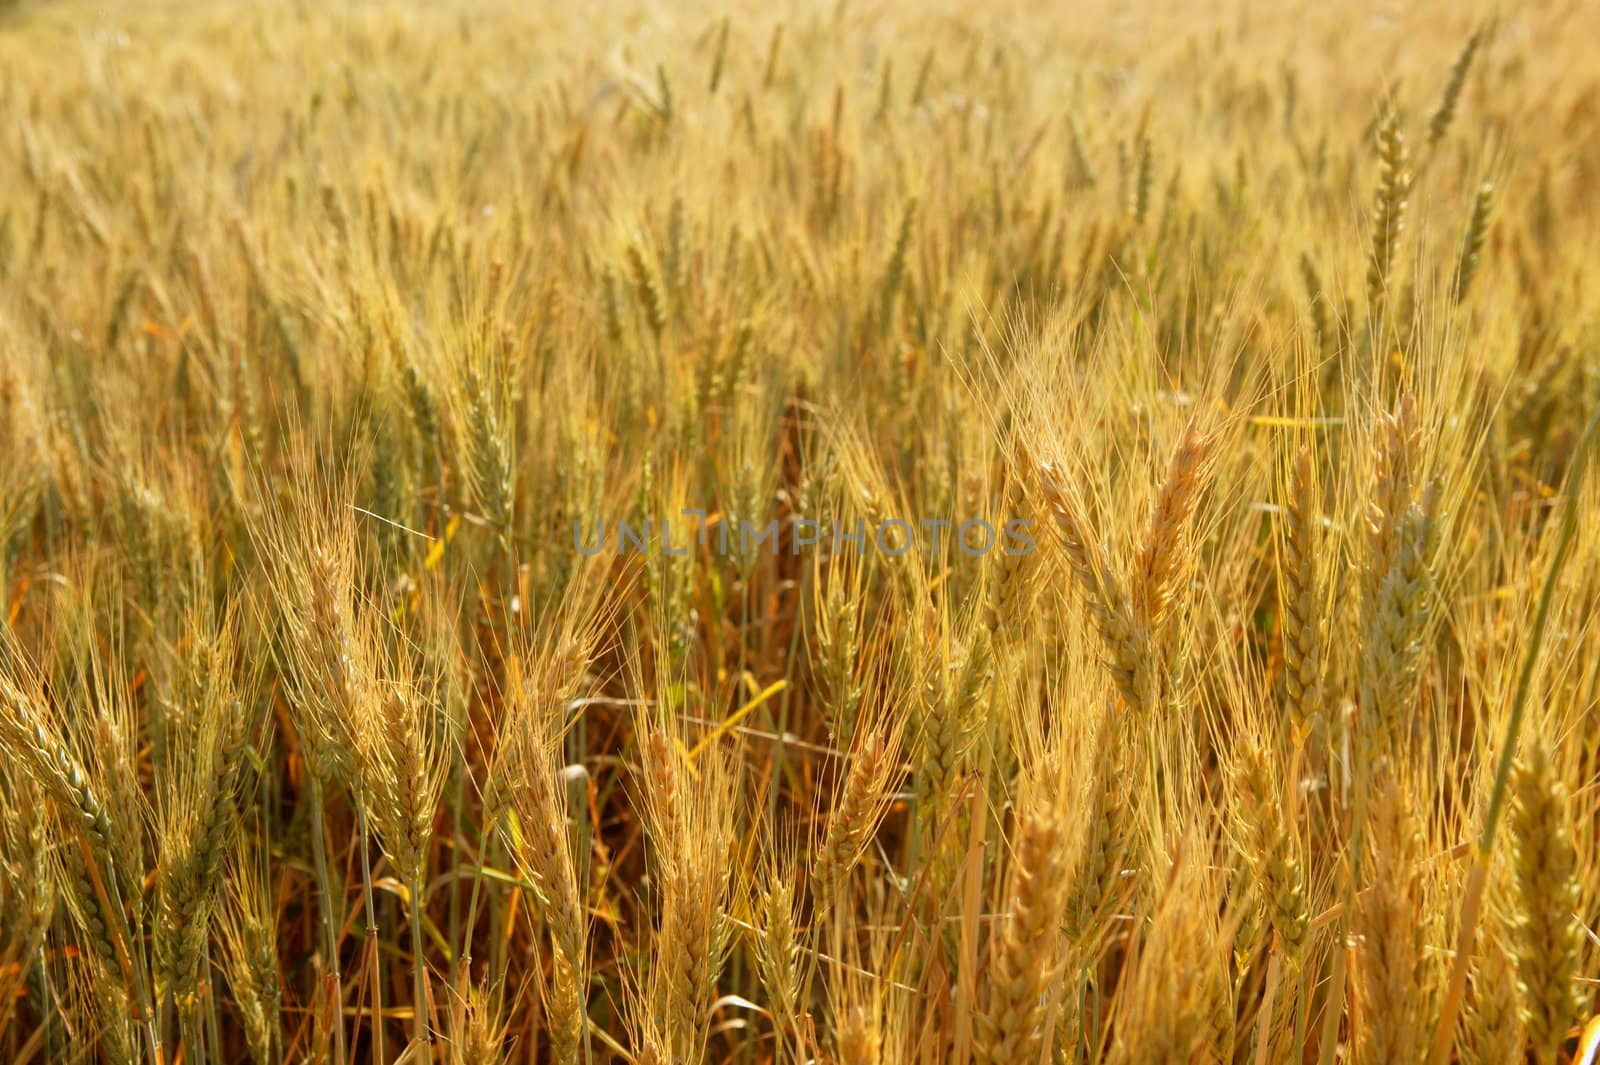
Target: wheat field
point(843, 533)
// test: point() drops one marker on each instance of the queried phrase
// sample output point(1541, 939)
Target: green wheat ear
point(1439, 121)
point(1473, 240)
point(1388, 212)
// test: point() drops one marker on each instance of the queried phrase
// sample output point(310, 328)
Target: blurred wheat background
point(331, 334)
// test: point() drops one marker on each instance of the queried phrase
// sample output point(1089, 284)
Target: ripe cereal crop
point(878, 531)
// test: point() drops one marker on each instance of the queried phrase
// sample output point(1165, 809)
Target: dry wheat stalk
point(1545, 931)
point(1390, 981)
point(1302, 601)
point(1110, 607)
point(1161, 564)
point(692, 829)
point(1026, 954)
point(1271, 845)
point(855, 814)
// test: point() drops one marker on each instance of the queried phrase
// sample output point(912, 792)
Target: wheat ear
point(1546, 932)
